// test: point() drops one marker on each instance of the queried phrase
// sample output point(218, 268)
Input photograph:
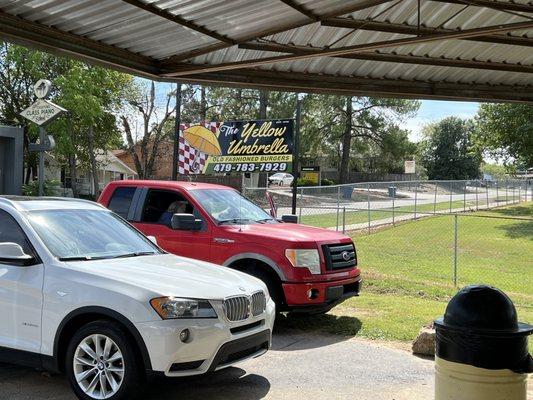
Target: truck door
point(155, 217)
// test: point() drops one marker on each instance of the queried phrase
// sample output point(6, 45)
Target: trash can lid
point(484, 310)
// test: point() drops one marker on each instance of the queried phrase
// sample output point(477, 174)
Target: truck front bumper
point(319, 297)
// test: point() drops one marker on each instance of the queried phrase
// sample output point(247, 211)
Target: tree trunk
point(92, 158)
point(132, 148)
point(263, 105)
point(203, 105)
point(346, 143)
point(73, 175)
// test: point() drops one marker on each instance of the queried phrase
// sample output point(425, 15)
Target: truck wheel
point(101, 363)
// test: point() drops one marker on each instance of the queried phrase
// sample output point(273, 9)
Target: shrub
point(50, 188)
point(327, 182)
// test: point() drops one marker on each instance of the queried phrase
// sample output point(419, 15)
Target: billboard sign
point(237, 146)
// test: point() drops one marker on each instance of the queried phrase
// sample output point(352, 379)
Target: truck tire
point(101, 363)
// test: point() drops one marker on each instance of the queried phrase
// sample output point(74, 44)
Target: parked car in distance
point(306, 269)
point(85, 293)
point(280, 179)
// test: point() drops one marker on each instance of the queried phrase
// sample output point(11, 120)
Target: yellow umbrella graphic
point(202, 139)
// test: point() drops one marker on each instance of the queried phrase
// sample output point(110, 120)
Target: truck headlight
point(304, 258)
point(175, 307)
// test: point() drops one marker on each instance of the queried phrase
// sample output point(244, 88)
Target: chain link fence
point(448, 251)
point(421, 235)
point(355, 206)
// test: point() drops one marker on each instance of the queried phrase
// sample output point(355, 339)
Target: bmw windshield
point(227, 206)
point(72, 235)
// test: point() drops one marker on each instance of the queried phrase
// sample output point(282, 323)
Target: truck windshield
point(88, 235)
point(230, 207)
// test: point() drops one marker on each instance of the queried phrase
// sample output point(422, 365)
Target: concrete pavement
point(300, 366)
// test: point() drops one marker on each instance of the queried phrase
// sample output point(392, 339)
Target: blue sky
point(434, 110)
point(430, 110)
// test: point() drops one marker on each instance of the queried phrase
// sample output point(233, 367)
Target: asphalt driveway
point(300, 366)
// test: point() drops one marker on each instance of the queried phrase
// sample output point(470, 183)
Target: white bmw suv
point(84, 293)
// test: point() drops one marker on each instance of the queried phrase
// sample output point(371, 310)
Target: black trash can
point(392, 191)
point(481, 348)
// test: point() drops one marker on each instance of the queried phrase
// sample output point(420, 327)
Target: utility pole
point(177, 122)
point(295, 155)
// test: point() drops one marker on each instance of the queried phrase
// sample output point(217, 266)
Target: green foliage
point(448, 151)
point(327, 182)
point(305, 182)
point(497, 171)
point(50, 188)
point(506, 131)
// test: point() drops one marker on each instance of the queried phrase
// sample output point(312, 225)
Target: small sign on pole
point(409, 166)
point(41, 113)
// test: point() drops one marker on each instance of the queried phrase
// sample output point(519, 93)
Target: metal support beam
point(339, 51)
point(178, 20)
point(425, 31)
point(396, 58)
point(301, 9)
point(357, 86)
point(360, 5)
point(496, 5)
point(54, 41)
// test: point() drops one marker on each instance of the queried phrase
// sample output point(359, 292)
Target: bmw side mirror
point(186, 222)
point(12, 253)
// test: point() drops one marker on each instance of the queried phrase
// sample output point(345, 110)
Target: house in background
point(110, 168)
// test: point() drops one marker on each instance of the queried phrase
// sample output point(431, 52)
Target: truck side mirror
point(185, 222)
point(12, 253)
point(289, 218)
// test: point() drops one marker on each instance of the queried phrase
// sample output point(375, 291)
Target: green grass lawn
point(329, 220)
point(408, 270)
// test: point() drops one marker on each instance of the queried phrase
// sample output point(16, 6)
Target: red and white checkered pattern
point(188, 155)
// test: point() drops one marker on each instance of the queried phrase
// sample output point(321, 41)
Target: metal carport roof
point(445, 49)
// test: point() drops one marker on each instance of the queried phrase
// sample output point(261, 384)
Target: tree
point(344, 125)
point(448, 151)
point(506, 131)
point(156, 126)
point(20, 68)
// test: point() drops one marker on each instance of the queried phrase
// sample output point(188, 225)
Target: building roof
point(443, 49)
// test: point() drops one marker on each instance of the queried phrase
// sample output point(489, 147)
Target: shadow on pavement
point(300, 332)
point(230, 383)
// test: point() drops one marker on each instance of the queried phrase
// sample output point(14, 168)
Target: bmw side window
point(121, 200)
point(10, 231)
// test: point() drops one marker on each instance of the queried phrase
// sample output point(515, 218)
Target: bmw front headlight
point(304, 258)
point(175, 307)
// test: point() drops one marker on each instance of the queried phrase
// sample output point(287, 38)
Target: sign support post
point(41, 113)
point(296, 152)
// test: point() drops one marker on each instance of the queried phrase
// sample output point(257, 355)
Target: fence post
point(338, 206)
point(368, 201)
point(487, 190)
point(464, 196)
point(393, 198)
point(455, 249)
point(497, 193)
point(451, 195)
point(519, 193)
point(435, 199)
point(301, 202)
point(477, 184)
point(343, 219)
point(416, 197)
point(506, 191)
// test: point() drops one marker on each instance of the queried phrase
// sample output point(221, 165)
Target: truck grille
point(241, 307)
point(339, 256)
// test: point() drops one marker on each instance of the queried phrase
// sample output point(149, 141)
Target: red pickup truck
point(306, 269)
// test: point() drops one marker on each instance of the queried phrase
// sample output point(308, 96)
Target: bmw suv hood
point(170, 275)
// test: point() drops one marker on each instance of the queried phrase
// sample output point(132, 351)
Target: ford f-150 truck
point(306, 269)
